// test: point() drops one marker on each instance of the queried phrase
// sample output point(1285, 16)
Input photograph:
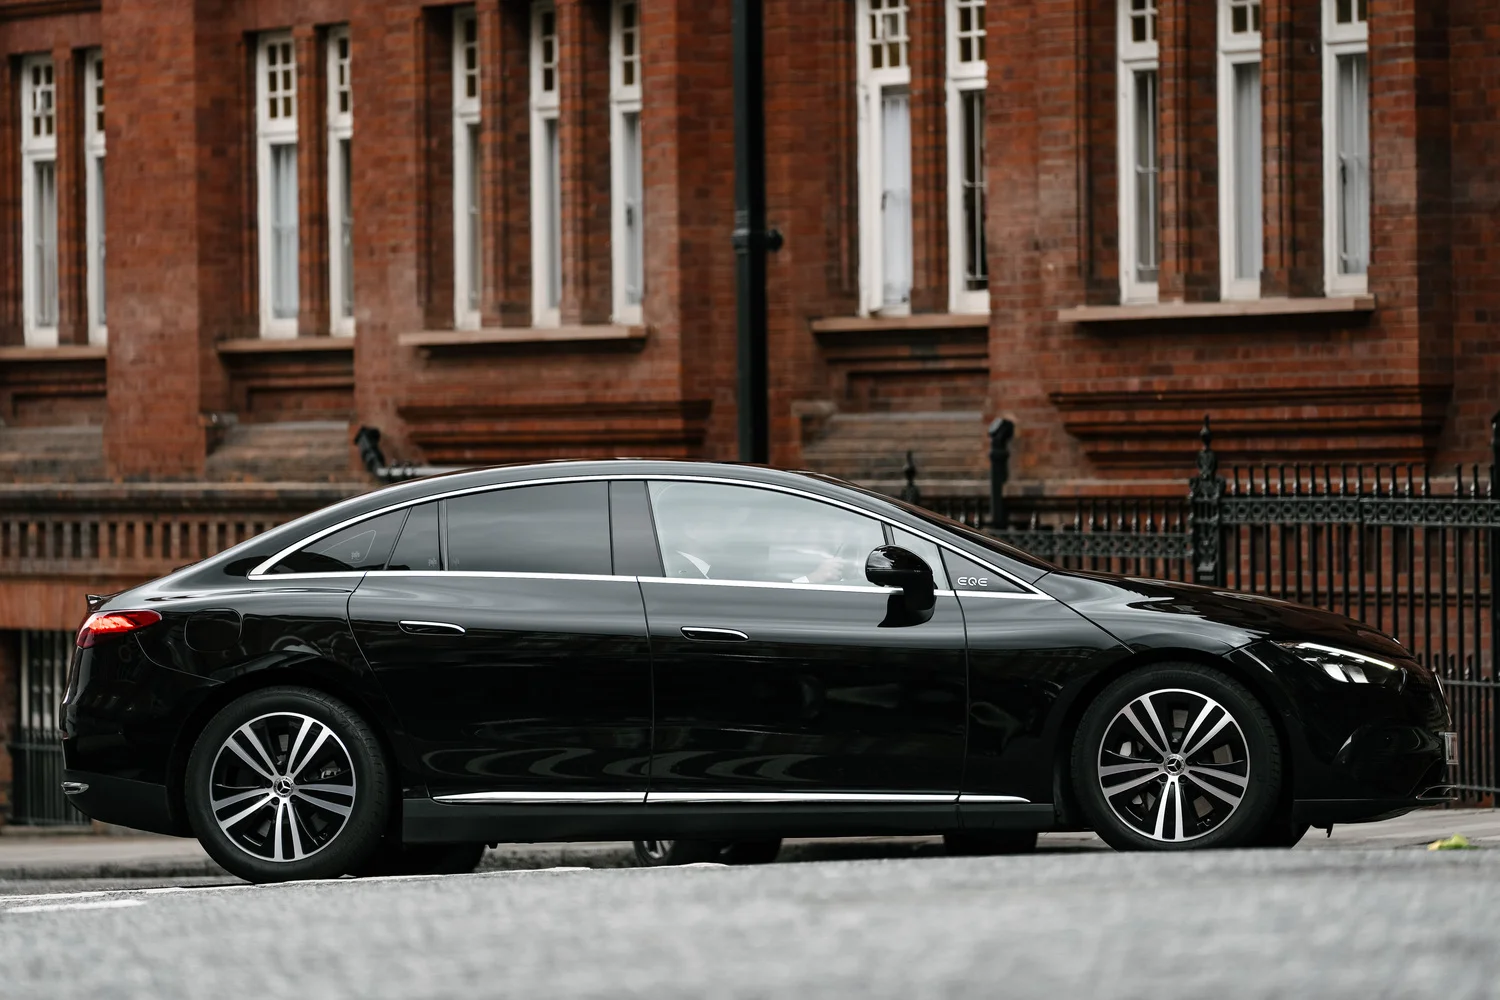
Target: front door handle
point(431, 628)
point(714, 634)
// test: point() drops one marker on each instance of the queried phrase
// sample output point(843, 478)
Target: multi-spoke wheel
point(287, 783)
point(1176, 757)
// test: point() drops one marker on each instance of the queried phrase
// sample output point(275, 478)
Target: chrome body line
point(543, 798)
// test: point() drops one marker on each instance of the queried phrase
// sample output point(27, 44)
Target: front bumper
point(140, 805)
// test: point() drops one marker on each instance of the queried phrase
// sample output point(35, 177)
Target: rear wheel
point(973, 843)
point(663, 853)
point(1177, 757)
point(287, 783)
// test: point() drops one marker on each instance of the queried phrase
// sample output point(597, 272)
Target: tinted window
point(418, 547)
point(717, 532)
point(359, 547)
point(563, 528)
point(971, 578)
point(923, 548)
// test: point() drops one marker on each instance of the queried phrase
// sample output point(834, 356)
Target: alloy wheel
point(1174, 765)
point(282, 786)
point(656, 850)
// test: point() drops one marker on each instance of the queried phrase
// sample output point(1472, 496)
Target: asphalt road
point(1354, 923)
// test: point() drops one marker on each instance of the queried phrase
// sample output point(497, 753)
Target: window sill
point(1217, 310)
point(67, 352)
point(291, 345)
point(920, 321)
point(530, 336)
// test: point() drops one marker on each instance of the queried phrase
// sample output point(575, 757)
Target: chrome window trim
point(261, 571)
point(332, 574)
point(835, 588)
point(498, 575)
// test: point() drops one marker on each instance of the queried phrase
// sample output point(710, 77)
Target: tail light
point(102, 623)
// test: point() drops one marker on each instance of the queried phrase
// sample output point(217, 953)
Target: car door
point(517, 662)
point(781, 674)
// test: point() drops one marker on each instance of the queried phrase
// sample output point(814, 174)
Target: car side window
point(557, 528)
point(417, 548)
point(358, 547)
point(971, 578)
point(715, 531)
point(927, 550)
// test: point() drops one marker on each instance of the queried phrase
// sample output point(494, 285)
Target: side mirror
point(893, 566)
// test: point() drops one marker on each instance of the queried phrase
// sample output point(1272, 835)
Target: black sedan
point(705, 659)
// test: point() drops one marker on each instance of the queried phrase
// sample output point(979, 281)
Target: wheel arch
point(1261, 685)
point(329, 681)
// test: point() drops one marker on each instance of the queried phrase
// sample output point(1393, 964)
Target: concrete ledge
point(891, 324)
point(283, 345)
point(42, 355)
point(1216, 310)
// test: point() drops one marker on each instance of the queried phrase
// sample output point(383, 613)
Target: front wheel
point(287, 783)
point(1177, 757)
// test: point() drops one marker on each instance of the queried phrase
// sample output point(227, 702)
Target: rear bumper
point(140, 805)
point(1327, 812)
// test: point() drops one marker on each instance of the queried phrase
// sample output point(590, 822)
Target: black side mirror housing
point(904, 570)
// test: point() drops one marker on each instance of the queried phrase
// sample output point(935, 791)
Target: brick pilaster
point(927, 27)
point(1101, 205)
point(435, 166)
point(312, 181)
point(583, 71)
point(504, 93)
point(72, 200)
point(10, 204)
point(1292, 137)
point(1189, 152)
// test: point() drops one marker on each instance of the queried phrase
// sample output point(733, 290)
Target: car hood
point(1147, 614)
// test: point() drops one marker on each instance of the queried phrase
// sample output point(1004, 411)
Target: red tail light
point(113, 623)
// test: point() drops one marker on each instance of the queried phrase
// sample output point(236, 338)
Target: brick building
point(500, 232)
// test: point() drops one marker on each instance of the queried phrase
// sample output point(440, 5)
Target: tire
point(664, 853)
point(421, 859)
point(977, 843)
point(270, 823)
point(1221, 792)
point(751, 852)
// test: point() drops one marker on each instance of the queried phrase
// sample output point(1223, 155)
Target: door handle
point(714, 634)
point(431, 628)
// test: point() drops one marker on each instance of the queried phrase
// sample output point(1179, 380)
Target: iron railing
point(36, 756)
point(1410, 552)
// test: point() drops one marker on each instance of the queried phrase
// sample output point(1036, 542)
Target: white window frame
point(340, 131)
point(1340, 40)
point(546, 178)
point(1236, 50)
point(1134, 57)
point(279, 131)
point(963, 78)
point(93, 150)
point(624, 101)
point(35, 151)
point(467, 184)
point(871, 87)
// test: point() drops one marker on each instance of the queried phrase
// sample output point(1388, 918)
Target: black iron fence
point(36, 756)
point(1406, 550)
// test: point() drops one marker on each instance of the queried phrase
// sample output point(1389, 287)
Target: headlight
point(1348, 666)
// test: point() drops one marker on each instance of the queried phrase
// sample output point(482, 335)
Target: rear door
point(517, 661)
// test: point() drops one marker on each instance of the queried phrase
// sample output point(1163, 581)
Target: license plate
point(1450, 747)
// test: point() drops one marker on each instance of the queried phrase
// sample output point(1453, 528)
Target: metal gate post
point(1206, 514)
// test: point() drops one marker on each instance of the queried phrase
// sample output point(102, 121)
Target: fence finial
point(909, 492)
point(1002, 431)
point(1208, 462)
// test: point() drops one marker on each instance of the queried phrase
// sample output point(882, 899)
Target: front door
point(781, 674)
point(517, 662)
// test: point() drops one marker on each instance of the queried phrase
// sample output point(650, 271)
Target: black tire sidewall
point(1255, 810)
point(682, 852)
point(354, 845)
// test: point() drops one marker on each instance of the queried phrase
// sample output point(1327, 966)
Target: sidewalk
point(70, 856)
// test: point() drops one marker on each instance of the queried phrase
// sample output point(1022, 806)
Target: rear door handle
point(714, 634)
point(432, 628)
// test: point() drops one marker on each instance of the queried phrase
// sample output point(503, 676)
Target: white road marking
point(98, 904)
